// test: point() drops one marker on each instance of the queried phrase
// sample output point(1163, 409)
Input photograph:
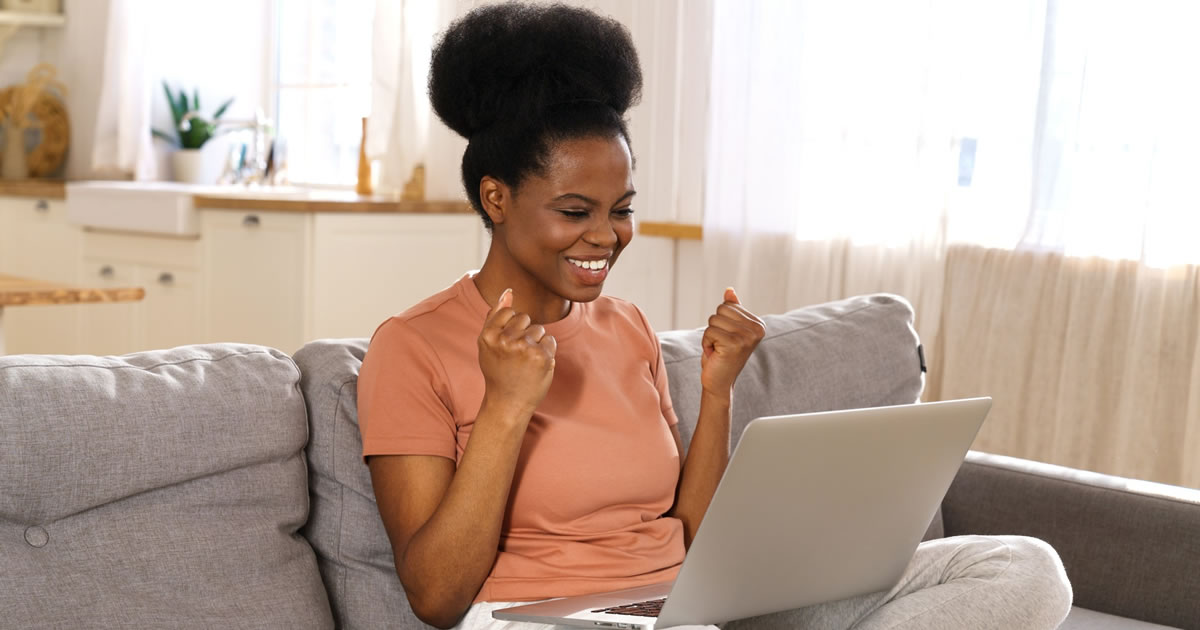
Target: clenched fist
point(516, 357)
point(732, 334)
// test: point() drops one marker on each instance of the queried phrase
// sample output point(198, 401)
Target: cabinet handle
point(107, 271)
point(251, 220)
point(166, 278)
point(42, 205)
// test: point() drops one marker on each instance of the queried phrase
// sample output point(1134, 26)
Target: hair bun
point(511, 62)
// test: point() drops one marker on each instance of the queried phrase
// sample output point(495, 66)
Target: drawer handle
point(251, 220)
point(42, 205)
point(166, 278)
point(107, 271)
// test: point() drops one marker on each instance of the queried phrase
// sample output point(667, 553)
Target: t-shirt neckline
point(561, 329)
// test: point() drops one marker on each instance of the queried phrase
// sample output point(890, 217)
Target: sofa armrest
point(1131, 548)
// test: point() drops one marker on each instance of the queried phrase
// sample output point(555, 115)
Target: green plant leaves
point(221, 110)
point(199, 130)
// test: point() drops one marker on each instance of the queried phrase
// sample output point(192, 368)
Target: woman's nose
point(601, 234)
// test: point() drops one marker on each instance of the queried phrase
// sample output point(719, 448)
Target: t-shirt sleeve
point(659, 372)
point(402, 396)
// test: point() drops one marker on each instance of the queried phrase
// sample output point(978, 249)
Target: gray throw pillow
point(156, 490)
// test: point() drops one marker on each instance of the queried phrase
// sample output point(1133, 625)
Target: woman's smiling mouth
point(589, 272)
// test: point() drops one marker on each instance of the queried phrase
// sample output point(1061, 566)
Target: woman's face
point(567, 226)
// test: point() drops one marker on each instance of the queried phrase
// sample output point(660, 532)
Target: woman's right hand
point(516, 357)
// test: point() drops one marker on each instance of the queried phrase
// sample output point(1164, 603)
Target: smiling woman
point(518, 425)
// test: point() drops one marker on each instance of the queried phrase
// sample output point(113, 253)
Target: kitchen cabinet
point(257, 288)
point(36, 241)
point(367, 267)
point(171, 313)
point(282, 279)
point(274, 278)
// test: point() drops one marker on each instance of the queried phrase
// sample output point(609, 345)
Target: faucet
point(240, 167)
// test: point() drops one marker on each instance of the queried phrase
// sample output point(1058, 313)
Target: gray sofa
point(221, 485)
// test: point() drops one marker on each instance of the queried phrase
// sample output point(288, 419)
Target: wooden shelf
point(23, 18)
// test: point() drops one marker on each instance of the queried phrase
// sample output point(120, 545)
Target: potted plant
point(192, 131)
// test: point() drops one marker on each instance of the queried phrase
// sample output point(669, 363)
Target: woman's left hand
point(732, 334)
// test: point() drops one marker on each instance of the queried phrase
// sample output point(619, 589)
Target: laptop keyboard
point(648, 608)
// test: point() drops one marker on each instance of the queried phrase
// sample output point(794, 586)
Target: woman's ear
point(495, 197)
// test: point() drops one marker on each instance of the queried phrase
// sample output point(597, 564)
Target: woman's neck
point(529, 295)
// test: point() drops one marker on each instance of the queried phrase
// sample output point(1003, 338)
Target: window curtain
point(402, 130)
point(1019, 171)
point(122, 142)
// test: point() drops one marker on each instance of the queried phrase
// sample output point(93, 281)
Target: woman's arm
point(444, 524)
point(732, 334)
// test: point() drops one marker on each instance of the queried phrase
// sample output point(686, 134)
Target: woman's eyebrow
point(589, 200)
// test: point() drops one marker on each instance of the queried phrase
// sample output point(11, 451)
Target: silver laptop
point(812, 508)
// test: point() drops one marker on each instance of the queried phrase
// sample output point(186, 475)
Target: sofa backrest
point(859, 352)
point(161, 489)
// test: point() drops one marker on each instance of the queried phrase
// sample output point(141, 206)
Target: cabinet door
point(171, 310)
point(41, 244)
point(368, 267)
point(110, 328)
point(255, 277)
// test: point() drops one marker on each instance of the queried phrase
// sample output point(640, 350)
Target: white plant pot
point(187, 166)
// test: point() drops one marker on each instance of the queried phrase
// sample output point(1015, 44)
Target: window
point(321, 86)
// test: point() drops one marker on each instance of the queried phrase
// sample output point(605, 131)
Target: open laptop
point(812, 508)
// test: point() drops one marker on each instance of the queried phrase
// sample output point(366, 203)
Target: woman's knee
point(1041, 570)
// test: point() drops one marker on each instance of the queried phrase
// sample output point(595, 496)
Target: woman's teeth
point(589, 264)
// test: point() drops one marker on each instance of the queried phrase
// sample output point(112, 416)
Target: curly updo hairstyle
point(516, 79)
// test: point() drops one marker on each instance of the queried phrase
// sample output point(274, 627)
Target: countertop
point(40, 188)
point(247, 199)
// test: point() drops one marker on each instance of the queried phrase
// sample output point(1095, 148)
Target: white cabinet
point(278, 279)
point(37, 242)
point(282, 279)
point(171, 313)
point(257, 285)
point(367, 267)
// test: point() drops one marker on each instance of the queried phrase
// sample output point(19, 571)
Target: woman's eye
point(574, 214)
point(623, 212)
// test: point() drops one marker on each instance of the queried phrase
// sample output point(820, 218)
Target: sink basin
point(152, 207)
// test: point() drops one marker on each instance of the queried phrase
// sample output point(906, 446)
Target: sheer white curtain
point(122, 143)
point(1021, 171)
point(836, 140)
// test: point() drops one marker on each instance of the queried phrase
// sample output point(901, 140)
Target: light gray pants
point(966, 582)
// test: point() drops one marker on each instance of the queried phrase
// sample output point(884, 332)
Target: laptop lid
point(819, 507)
point(812, 508)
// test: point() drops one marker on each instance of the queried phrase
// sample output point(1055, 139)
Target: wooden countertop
point(329, 201)
point(15, 291)
point(40, 188)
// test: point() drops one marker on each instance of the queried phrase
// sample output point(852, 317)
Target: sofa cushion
point(858, 352)
point(1084, 619)
point(159, 489)
point(353, 551)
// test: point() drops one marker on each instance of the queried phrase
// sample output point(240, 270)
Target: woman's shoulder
point(445, 313)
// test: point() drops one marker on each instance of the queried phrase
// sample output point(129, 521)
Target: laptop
point(813, 508)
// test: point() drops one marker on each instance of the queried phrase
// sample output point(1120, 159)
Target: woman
point(518, 426)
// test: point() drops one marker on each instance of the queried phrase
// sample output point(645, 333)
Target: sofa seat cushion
point(855, 353)
point(1084, 619)
point(159, 489)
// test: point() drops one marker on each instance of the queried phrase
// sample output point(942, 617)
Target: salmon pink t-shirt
point(598, 467)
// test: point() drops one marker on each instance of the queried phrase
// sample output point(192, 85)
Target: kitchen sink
point(152, 207)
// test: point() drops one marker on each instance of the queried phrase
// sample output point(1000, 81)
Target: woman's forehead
point(601, 164)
